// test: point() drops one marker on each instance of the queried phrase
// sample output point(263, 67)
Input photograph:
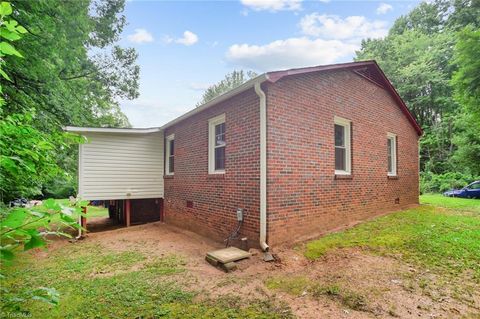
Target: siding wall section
point(121, 166)
point(305, 198)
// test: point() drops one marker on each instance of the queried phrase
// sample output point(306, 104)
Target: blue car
point(470, 191)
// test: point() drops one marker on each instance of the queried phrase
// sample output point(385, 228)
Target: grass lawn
point(464, 204)
point(95, 282)
point(442, 235)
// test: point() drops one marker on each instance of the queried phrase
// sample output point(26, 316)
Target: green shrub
point(434, 183)
point(61, 187)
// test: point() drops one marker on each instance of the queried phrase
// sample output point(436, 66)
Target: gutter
point(263, 165)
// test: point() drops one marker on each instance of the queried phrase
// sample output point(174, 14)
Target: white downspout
point(263, 166)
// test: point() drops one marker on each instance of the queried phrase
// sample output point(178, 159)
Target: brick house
point(297, 153)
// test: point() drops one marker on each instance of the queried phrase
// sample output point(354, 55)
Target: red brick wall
point(304, 198)
point(216, 197)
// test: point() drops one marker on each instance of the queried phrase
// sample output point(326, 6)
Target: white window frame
point(348, 147)
point(393, 138)
point(167, 155)
point(211, 143)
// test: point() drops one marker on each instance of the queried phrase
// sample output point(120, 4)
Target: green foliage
point(53, 221)
point(445, 240)
point(231, 81)
point(28, 156)
point(17, 234)
point(466, 82)
point(74, 70)
point(434, 183)
point(420, 55)
point(62, 65)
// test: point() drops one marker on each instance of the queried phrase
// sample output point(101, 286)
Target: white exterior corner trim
point(263, 166)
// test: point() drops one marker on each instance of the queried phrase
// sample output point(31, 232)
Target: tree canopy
point(61, 65)
point(431, 56)
point(231, 81)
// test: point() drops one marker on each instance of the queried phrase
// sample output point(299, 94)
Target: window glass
point(170, 155)
point(340, 148)
point(220, 158)
point(171, 161)
point(475, 186)
point(339, 159)
point(339, 135)
point(391, 154)
point(216, 145)
point(220, 146)
point(220, 134)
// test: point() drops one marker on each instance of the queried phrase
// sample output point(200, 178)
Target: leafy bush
point(434, 183)
point(17, 234)
point(60, 188)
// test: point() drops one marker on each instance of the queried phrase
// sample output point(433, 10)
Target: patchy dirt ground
point(369, 286)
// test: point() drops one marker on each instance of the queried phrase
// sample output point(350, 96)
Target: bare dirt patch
point(348, 283)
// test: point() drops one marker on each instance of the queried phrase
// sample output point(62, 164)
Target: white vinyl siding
point(121, 166)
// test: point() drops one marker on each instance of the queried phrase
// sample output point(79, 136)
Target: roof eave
point(239, 89)
point(78, 129)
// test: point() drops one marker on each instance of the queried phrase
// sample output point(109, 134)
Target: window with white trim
point(216, 145)
point(170, 155)
point(343, 160)
point(391, 154)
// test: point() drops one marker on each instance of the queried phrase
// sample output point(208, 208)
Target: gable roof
point(369, 70)
point(366, 69)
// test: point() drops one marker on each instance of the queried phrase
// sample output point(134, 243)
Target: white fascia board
point(76, 129)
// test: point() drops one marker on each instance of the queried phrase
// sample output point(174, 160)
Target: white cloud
point(273, 5)
point(327, 39)
point(384, 8)
point(289, 53)
point(189, 38)
point(351, 28)
point(140, 36)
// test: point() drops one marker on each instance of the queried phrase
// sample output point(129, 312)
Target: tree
point(231, 81)
point(78, 70)
point(22, 163)
point(73, 73)
point(417, 57)
point(466, 82)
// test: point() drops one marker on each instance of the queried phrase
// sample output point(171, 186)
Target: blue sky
point(184, 46)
